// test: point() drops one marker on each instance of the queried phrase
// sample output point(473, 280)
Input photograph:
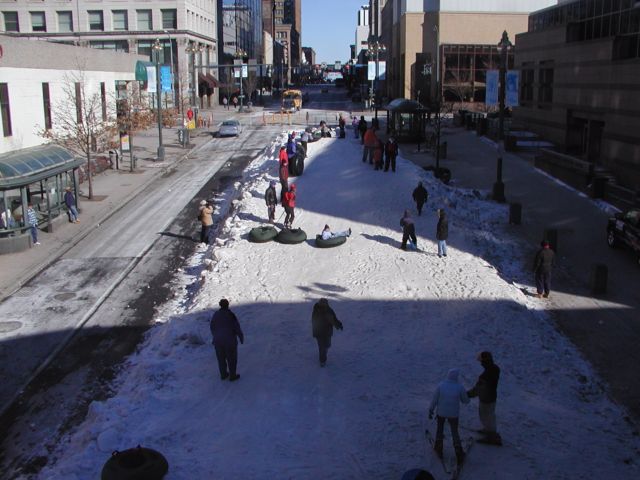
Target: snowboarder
point(323, 319)
point(446, 402)
point(420, 196)
point(542, 264)
point(327, 233)
point(205, 213)
point(226, 332)
point(362, 128)
point(289, 204)
point(391, 152)
point(370, 144)
point(486, 389)
point(442, 232)
point(408, 230)
point(70, 202)
point(271, 199)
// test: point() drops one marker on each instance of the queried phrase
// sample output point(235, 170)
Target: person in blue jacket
point(226, 332)
point(446, 402)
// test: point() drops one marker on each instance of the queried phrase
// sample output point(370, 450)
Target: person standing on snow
point(323, 319)
point(420, 196)
point(304, 141)
point(542, 264)
point(289, 204)
point(442, 232)
point(408, 230)
point(226, 332)
point(354, 124)
point(377, 156)
point(370, 144)
point(446, 403)
point(486, 389)
point(362, 128)
point(391, 152)
point(205, 213)
point(271, 199)
point(283, 173)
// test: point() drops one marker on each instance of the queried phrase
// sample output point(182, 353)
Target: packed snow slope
point(408, 318)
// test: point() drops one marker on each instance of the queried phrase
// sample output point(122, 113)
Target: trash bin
point(183, 136)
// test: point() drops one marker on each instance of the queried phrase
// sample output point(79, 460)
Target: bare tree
point(461, 85)
point(250, 84)
point(134, 113)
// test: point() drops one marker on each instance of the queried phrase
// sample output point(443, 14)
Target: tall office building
point(288, 31)
point(362, 32)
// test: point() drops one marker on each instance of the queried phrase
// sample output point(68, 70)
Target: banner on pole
point(371, 71)
point(382, 70)
point(513, 83)
point(165, 78)
point(151, 79)
point(491, 96)
point(245, 71)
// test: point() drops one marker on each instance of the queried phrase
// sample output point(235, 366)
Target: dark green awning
point(403, 105)
point(30, 165)
point(141, 70)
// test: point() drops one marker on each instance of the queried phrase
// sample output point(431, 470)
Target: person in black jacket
point(408, 230)
point(271, 199)
point(442, 233)
point(362, 127)
point(323, 319)
point(420, 196)
point(486, 389)
point(542, 264)
point(226, 331)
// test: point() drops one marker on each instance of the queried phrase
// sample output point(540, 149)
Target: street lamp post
point(192, 48)
point(504, 45)
point(373, 51)
point(438, 99)
point(239, 55)
point(157, 47)
point(173, 92)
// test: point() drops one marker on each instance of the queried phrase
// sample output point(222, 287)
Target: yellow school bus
point(291, 100)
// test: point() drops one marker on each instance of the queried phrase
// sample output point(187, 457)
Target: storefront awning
point(403, 105)
point(208, 80)
point(213, 80)
point(141, 70)
point(30, 165)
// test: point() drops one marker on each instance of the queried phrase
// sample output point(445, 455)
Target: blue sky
point(329, 27)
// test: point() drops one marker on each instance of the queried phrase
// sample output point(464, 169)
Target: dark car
point(624, 229)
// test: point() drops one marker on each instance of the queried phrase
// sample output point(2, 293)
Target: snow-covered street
point(408, 318)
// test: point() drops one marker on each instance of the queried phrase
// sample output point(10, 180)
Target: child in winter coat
point(271, 200)
point(289, 203)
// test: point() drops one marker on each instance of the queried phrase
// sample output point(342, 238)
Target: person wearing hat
point(327, 233)
point(271, 199)
point(289, 204)
point(442, 232)
point(408, 230)
point(542, 264)
point(283, 173)
point(226, 332)
point(486, 389)
point(205, 215)
point(70, 202)
point(323, 320)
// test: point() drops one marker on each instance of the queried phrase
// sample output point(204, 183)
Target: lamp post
point(157, 47)
point(239, 55)
point(438, 99)
point(173, 92)
point(373, 51)
point(192, 48)
point(504, 45)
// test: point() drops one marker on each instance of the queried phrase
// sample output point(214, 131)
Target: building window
point(5, 110)
point(116, 45)
point(545, 85)
point(78, 102)
point(526, 93)
point(65, 22)
point(120, 20)
point(103, 101)
point(96, 20)
point(46, 103)
point(145, 22)
point(11, 22)
point(38, 22)
point(170, 18)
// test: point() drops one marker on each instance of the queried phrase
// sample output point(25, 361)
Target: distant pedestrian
point(70, 202)
point(390, 154)
point(370, 144)
point(442, 232)
point(226, 332)
point(362, 128)
point(323, 320)
point(32, 221)
point(486, 389)
point(225, 102)
point(304, 141)
point(289, 204)
point(542, 265)
point(408, 230)
point(420, 196)
point(354, 124)
point(271, 199)
point(205, 215)
point(446, 403)
point(341, 125)
point(235, 102)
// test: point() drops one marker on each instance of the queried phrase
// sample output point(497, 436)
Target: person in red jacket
point(289, 204)
point(377, 156)
point(282, 156)
point(370, 143)
point(283, 173)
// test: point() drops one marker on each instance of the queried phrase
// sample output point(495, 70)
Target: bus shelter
point(406, 119)
point(37, 175)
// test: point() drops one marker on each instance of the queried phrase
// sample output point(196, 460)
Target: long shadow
point(177, 235)
point(383, 239)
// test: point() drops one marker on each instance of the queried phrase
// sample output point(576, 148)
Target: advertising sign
point(491, 97)
point(382, 70)
point(151, 79)
point(513, 83)
point(371, 71)
point(124, 142)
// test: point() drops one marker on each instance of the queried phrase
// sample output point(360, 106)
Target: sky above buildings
point(329, 27)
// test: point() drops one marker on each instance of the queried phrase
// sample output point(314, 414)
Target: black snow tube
point(299, 165)
point(296, 235)
point(135, 464)
point(262, 234)
point(331, 242)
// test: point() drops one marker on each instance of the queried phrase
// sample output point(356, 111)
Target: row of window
point(95, 20)
point(580, 11)
point(544, 85)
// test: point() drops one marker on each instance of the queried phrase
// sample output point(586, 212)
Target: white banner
point(382, 70)
point(513, 83)
point(371, 71)
point(151, 79)
point(491, 96)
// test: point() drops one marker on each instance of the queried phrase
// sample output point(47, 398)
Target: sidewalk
point(112, 190)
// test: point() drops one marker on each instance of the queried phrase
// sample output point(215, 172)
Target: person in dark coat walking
point(226, 332)
point(442, 232)
point(271, 199)
point(362, 128)
point(542, 264)
point(420, 196)
point(323, 320)
point(390, 154)
point(408, 230)
point(486, 389)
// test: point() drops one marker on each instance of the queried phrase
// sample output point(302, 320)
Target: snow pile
point(408, 317)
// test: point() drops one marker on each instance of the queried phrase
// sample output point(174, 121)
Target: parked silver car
point(230, 128)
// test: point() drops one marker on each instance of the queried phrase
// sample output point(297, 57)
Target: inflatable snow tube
point(135, 464)
point(299, 166)
point(262, 234)
point(331, 242)
point(296, 235)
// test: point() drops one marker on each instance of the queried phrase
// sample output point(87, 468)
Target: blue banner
point(512, 82)
point(491, 97)
point(165, 78)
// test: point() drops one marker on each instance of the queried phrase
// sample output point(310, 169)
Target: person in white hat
point(205, 213)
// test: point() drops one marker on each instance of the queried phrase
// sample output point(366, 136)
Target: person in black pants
point(226, 331)
point(362, 127)
point(408, 230)
point(323, 319)
point(542, 265)
point(420, 196)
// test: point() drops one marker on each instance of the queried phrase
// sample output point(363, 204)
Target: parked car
point(624, 229)
point(230, 128)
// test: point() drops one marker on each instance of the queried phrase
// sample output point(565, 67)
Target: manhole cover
point(6, 327)
point(64, 296)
